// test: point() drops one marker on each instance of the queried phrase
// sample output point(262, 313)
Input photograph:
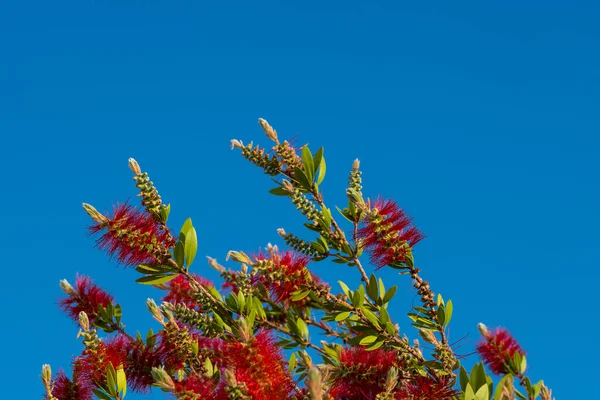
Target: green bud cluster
point(150, 198)
point(201, 321)
point(257, 156)
point(306, 207)
point(301, 246)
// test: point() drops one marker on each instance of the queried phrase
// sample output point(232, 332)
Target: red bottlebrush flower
point(180, 291)
point(497, 348)
point(134, 237)
point(426, 388)
point(259, 364)
point(388, 235)
point(92, 364)
point(362, 373)
point(138, 367)
point(286, 275)
point(198, 387)
point(86, 297)
point(65, 389)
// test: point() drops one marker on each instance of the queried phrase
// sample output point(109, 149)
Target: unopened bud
point(67, 288)
point(134, 166)
point(545, 393)
point(213, 263)
point(84, 321)
point(230, 378)
point(271, 133)
point(287, 186)
point(483, 330)
point(314, 384)
point(272, 249)
point(238, 256)
point(94, 214)
point(281, 232)
point(356, 165)
point(236, 144)
point(428, 336)
point(354, 196)
point(163, 379)
point(391, 379)
point(155, 311)
point(46, 375)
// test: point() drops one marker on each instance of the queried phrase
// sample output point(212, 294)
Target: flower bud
point(84, 321)
point(163, 380)
point(46, 375)
point(213, 263)
point(155, 311)
point(483, 330)
point(94, 214)
point(236, 144)
point(287, 186)
point(356, 165)
point(314, 384)
point(271, 133)
point(134, 166)
point(238, 256)
point(67, 288)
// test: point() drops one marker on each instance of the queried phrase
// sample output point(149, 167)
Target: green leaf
point(441, 315)
point(302, 179)
point(483, 393)
point(101, 395)
point(345, 288)
point(478, 375)
point(464, 378)
point(302, 327)
point(372, 288)
point(208, 366)
point(155, 279)
point(178, 253)
point(368, 340)
point(389, 294)
point(342, 316)
point(319, 164)
point(299, 295)
point(111, 379)
point(448, 312)
point(292, 362)
point(375, 345)
point(279, 191)
point(164, 212)
point(371, 317)
point(383, 315)
point(121, 381)
point(191, 245)
point(308, 164)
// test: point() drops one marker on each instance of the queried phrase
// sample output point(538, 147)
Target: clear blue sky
point(480, 118)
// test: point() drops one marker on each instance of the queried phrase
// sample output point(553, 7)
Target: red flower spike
point(497, 348)
point(388, 235)
point(362, 373)
point(426, 388)
point(138, 367)
point(260, 365)
point(180, 291)
point(88, 297)
point(92, 364)
point(199, 387)
point(286, 276)
point(65, 389)
point(134, 237)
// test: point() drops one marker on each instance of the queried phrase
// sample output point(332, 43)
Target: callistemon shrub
point(252, 335)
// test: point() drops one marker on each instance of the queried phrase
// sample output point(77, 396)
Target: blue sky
point(479, 118)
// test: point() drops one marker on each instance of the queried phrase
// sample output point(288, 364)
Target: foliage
point(254, 338)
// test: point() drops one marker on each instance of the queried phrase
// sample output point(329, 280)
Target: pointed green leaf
point(308, 164)
point(155, 279)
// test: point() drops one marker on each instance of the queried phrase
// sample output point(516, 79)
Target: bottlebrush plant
point(253, 338)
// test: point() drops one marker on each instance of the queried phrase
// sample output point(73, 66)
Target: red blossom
point(426, 388)
point(286, 275)
point(92, 364)
point(133, 236)
point(388, 234)
point(180, 291)
point(87, 297)
point(497, 348)
point(362, 373)
point(65, 389)
point(138, 367)
point(260, 365)
point(199, 387)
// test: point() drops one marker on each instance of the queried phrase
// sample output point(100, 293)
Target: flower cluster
point(282, 274)
point(133, 236)
point(181, 292)
point(85, 296)
point(388, 234)
point(497, 348)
